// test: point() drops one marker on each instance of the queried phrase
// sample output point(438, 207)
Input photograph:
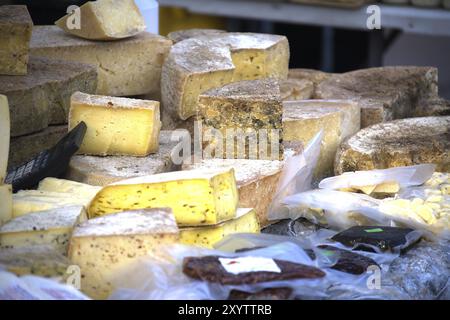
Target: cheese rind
point(116, 126)
point(4, 136)
point(15, 26)
point(197, 197)
point(104, 246)
point(52, 227)
point(246, 221)
point(180, 35)
point(6, 203)
point(104, 20)
point(125, 68)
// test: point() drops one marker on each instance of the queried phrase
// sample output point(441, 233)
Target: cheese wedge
point(104, 20)
point(4, 136)
point(104, 246)
point(116, 126)
point(246, 221)
point(6, 203)
point(52, 227)
point(68, 186)
point(197, 197)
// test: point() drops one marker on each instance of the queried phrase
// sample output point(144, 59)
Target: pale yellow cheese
point(116, 126)
point(246, 221)
point(4, 136)
point(68, 186)
point(105, 246)
point(104, 20)
point(52, 227)
point(6, 203)
point(197, 197)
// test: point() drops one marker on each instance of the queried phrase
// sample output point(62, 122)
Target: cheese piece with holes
point(4, 136)
point(6, 203)
point(246, 221)
point(105, 20)
point(231, 57)
point(116, 126)
point(104, 246)
point(125, 68)
point(67, 186)
point(15, 27)
point(51, 227)
point(197, 197)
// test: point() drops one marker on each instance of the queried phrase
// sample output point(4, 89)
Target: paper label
point(374, 230)
point(249, 264)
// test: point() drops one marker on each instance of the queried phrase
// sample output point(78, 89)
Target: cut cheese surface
point(104, 20)
point(6, 203)
point(104, 246)
point(15, 26)
point(4, 136)
point(52, 227)
point(116, 126)
point(68, 186)
point(246, 221)
point(180, 35)
point(197, 197)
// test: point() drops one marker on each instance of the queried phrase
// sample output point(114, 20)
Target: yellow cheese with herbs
point(104, 246)
point(197, 197)
point(246, 221)
point(116, 126)
point(6, 203)
point(104, 20)
point(68, 186)
point(4, 136)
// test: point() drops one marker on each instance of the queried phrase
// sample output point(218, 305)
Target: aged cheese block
point(116, 126)
point(39, 260)
point(231, 57)
point(432, 107)
point(15, 27)
point(246, 221)
point(302, 120)
point(385, 93)
point(42, 97)
point(125, 67)
point(52, 227)
point(26, 147)
point(180, 35)
point(257, 181)
point(249, 110)
point(397, 143)
point(67, 186)
point(296, 89)
point(104, 246)
point(197, 197)
point(105, 20)
point(4, 136)
point(5, 203)
point(100, 171)
point(315, 76)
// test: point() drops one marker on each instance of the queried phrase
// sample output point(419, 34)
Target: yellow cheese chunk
point(246, 221)
point(197, 197)
point(4, 136)
point(116, 126)
point(6, 203)
point(68, 186)
point(387, 187)
point(104, 246)
point(367, 189)
point(105, 20)
point(52, 227)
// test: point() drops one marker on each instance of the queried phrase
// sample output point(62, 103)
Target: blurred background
point(328, 35)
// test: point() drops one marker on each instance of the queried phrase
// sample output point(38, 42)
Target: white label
point(249, 264)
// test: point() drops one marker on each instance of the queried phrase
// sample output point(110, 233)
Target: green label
point(374, 230)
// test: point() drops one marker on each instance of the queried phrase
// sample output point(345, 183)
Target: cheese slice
point(4, 136)
point(197, 197)
point(104, 246)
point(67, 186)
point(15, 26)
point(104, 20)
point(52, 227)
point(6, 203)
point(116, 126)
point(246, 221)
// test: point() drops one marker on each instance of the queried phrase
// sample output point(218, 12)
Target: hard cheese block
point(104, 246)
point(197, 197)
point(67, 186)
point(180, 35)
point(397, 143)
point(6, 203)
point(15, 27)
point(301, 84)
point(116, 126)
point(251, 111)
point(385, 94)
point(42, 97)
point(246, 221)
point(302, 120)
point(52, 227)
point(257, 181)
point(231, 57)
point(4, 136)
point(125, 67)
point(105, 20)
point(101, 171)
